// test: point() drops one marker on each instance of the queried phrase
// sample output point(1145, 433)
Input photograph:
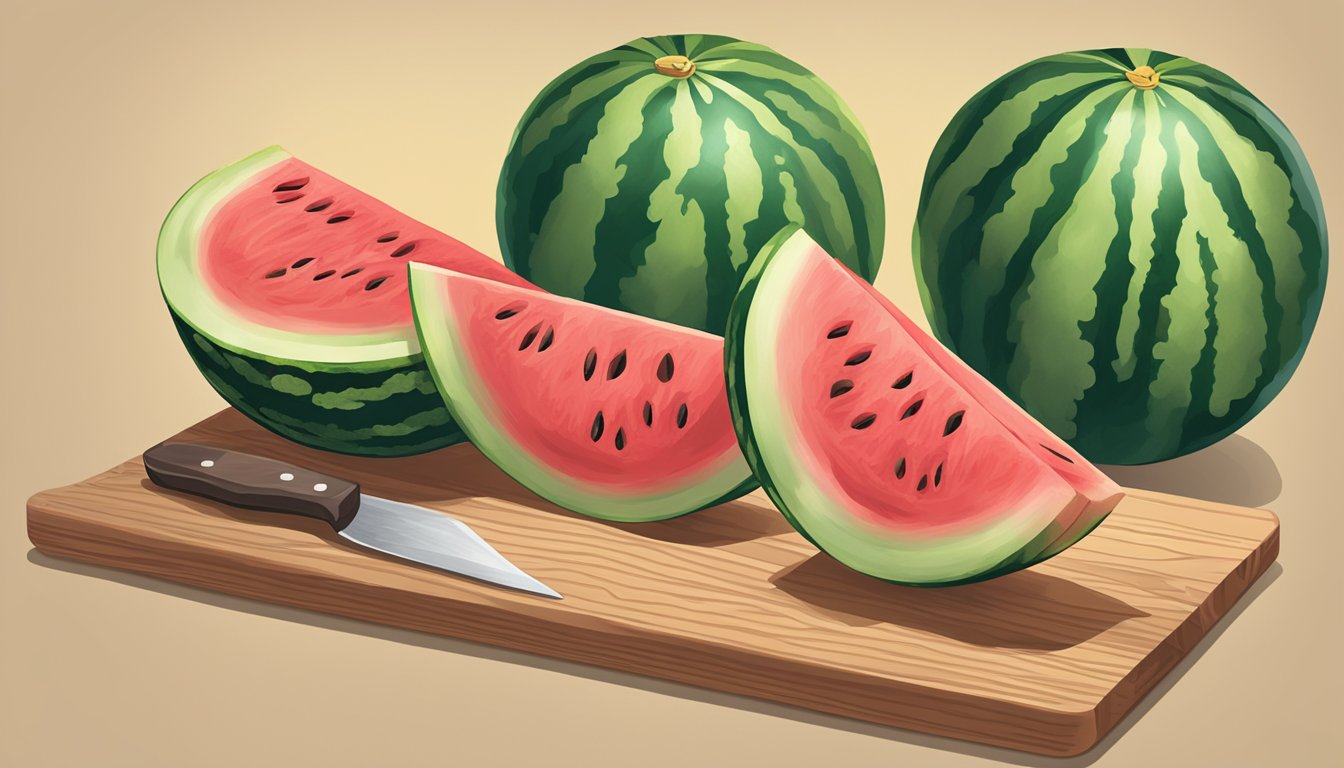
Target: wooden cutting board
point(1046, 660)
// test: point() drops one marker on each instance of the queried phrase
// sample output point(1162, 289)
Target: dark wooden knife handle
point(244, 480)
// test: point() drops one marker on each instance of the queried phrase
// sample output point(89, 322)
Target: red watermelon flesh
point(603, 412)
point(300, 250)
point(880, 445)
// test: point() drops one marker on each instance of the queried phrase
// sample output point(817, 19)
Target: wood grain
point(1045, 660)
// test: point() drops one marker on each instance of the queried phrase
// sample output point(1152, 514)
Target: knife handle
point(244, 480)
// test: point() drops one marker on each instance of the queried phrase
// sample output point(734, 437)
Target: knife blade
point(417, 534)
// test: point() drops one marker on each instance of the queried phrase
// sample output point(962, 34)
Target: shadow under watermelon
point(1235, 470)
point(1027, 609)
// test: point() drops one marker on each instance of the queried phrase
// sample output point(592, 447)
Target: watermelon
point(1128, 243)
point(879, 445)
point(288, 288)
point(602, 412)
point(647, 177)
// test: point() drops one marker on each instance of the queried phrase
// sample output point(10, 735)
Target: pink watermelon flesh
point(300, 250)
point(913, 441)
point(604, 412)
point(1059, 456)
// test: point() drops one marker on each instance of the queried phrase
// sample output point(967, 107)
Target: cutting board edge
point(1153, 668)
point(1051, 732)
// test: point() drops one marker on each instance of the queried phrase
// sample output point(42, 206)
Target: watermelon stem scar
point(674, 66)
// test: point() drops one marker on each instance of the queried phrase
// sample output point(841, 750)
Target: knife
point(417, 534)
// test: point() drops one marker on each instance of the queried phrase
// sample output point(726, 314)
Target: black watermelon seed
point(403, 250)
point(838, 331)
point(276, 273)
point(953, 422)
point(665, 368)
point(529, 337)
point(389, 237)
point(301, 262)
point(620, 439)
point(596, 432)
point(352, 272)
point(323, 275)
point(648, 414)
point(841, 387)
point(681, 416)
point(590, 364)
point(291, 185)
point(287, 199)
point(375, 282)
point(342, 216)
point(904, 381)
point(319, 206)
point(900, 468)
point(859, 357)
point(863, 421)
point(546, 339)
point(923, 483)
point(1057, 453)
point(912, 410)
point(616, 366)
point(507, 312)
point(938, 475)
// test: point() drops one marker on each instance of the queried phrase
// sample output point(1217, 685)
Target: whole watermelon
point(646, 178)
point(1128, 243)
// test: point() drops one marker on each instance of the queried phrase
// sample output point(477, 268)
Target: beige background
point(108, 112)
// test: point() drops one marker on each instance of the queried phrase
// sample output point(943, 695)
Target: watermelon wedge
point(602, 412)
point(882, 447)
point(288, 288)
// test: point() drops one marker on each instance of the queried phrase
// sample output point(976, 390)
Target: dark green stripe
point(1304, 216)
point(244, 383)
point(1201, 375)
point(561, 89)
point(1158, 58)
point(1168, 219)
point(963, 246)
point(707, 185)
point(970, 118)
point(534, 181)
point(1102, 330)
point(1121, 56)
point(864, 255)
point(960, 247)
point(1222, 177)
point(626, 230)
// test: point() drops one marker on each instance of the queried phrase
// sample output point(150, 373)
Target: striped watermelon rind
point(366, 394)
point(643, 191)
point(1128, 243)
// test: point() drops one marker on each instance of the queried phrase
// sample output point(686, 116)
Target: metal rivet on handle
point(286, 476)
point(207, 463)
point(320, 487)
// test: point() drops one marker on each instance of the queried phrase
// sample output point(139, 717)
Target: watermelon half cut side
point(602, 412)
point(881, 446)
point(288, 288)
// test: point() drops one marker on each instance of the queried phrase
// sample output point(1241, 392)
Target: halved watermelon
point(606, 413)
point(289, 289)
point(881, 446)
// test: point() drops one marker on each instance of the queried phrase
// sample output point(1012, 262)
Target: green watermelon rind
point(472, 406)
point(1220, 220)
point(874, 552)
point(359, 394)
point(636, 225)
